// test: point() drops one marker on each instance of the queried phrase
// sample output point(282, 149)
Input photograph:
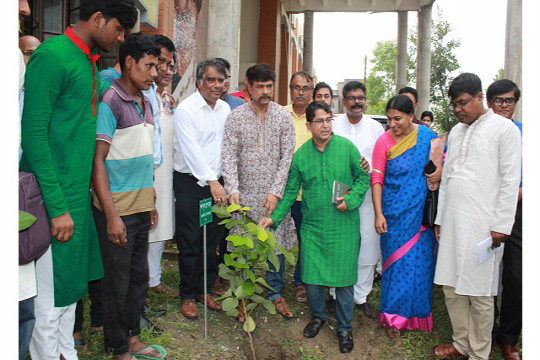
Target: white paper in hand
point(485, 249)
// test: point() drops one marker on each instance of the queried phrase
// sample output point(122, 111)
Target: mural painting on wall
point(190, 38)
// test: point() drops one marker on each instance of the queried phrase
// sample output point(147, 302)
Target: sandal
point(283, 308)
point(445, 351)
point(144, 353)
point(301, 294)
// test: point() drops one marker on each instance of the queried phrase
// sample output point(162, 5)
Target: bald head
point(28, 44)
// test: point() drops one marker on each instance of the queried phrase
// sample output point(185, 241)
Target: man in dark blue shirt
point(502, 97)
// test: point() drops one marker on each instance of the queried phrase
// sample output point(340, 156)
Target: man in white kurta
point(363, 131)
point(477, 199)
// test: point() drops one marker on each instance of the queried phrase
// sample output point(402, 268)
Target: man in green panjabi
point(330, 233)
point(58, 142)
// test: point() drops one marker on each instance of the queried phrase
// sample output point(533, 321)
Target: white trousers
point(155, 252)
point(363, 286)
point(53, 331)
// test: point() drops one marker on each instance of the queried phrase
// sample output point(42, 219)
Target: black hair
point(304, 74)
point(501, 87)
point(226, 63)
point(122, 10)
point(401, 103)
point(163, 41)
point(260, 72)
point(137, 46)
point(353, 85)
point(314, 106)
point(409, 90)
point(213, 62)
point(427, 113)
point(464, 83)
point(321, 85)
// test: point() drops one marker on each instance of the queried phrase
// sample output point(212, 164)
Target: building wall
point(165, 20)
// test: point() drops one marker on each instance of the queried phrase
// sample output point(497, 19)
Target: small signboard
point(205, 211)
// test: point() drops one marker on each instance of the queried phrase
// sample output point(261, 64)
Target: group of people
point(122, 168)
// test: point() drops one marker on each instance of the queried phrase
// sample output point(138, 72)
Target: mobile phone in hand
point(430, 167)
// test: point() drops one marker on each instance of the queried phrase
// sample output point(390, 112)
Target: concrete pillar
point(224, 33)
point(401, 57)
point(269, 37)
point(308, 42)
point(423, 66)
point(281, 94)
point(512, 56)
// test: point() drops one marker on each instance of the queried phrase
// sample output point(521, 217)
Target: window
point(50, 18)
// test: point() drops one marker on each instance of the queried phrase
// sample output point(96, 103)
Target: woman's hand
point(434, 178)
point(380, 224)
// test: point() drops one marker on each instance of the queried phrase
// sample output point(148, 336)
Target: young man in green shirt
point(330, 233)
point(58, 141)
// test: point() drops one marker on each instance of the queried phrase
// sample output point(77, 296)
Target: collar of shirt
point(200, 102)
point(291, 109)
point(124, 95)
point(92, 57)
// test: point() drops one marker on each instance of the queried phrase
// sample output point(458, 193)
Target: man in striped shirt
point(123, 202)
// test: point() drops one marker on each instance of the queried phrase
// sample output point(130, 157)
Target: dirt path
point(275, 338)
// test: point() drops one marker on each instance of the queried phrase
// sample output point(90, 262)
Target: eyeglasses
point(28, 52)
point(297, 88)
point(321, 121)
point(354, 98)
point(461, 104)
point(499, 101)
point(212, 80)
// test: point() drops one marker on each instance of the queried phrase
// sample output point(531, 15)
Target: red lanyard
point(93, 58)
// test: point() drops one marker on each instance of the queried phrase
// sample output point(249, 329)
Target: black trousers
point(96, 312)
point(123, 289)
point(509, 328)
point(189, 237)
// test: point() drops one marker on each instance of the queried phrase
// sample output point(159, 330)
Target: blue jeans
point(344, 304)
point(296, 213)
point(276, 279)
point(26, 325)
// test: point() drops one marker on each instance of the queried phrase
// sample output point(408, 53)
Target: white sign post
point(205, 217)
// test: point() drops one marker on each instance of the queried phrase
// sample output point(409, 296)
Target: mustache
point(357, 106)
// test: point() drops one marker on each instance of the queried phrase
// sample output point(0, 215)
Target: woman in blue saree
point(400, 188)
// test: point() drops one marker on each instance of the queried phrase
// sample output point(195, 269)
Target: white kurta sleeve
point(510, 174)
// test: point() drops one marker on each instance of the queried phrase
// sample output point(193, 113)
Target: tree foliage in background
point(443, 64)
point(499, 75)
point(381, 80)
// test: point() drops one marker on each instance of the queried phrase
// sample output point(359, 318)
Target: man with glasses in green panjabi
point(331, 233)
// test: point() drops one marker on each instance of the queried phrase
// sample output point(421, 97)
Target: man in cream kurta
point(477, 199)
point(363, 131)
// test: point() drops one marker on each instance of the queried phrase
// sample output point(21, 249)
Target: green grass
point(184, 339)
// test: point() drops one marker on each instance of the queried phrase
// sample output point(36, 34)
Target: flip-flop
point(141, 354)
point(301, 294)
point(282, 308)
